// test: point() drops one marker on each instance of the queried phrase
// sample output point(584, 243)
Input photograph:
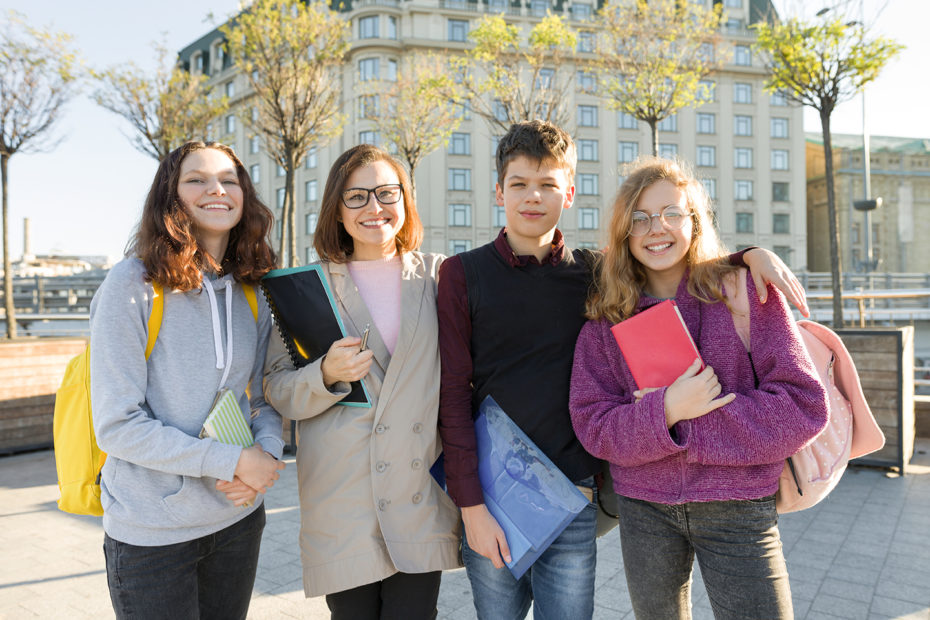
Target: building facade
point(746, 145)
point(900, 175)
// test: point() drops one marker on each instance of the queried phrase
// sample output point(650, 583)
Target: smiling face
point(374, 226)
point(662, 252)
point(533, 196)
point(208, 188)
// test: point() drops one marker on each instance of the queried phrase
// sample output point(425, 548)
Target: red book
point(656, 345)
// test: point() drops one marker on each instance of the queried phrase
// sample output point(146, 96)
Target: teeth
point(658, 248)
point(216, 206)
point(375, 223)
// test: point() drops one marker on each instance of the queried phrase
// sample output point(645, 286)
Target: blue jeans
point(560, 584)
point(737, 546)
point(208, 577)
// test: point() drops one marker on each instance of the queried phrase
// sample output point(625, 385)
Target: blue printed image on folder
point(305, 313)
point(532, 500)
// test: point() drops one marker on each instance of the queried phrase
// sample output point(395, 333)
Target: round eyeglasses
point(357, 197)
point(672, 217)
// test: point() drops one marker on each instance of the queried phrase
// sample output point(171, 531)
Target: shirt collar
point(556, 251)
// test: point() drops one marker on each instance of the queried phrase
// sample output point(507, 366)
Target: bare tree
point(38, 76)
point(165, 108)
point(506, 81)
point(291, 52)
point(821, 64)
point(652, 56)
point(413, 112)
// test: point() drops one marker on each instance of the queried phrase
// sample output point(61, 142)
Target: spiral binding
point(290, 344)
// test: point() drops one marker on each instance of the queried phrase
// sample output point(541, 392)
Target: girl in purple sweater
point(697, 462)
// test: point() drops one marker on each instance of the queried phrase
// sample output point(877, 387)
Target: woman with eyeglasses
point(696, 463)
point(376, 527)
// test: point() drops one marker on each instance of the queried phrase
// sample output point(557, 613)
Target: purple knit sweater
point(734, 452)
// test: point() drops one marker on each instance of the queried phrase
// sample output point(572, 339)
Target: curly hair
point(621, 278)
point(331, 241)
point(165, 237)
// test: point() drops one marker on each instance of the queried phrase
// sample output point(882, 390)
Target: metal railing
point(882, 305)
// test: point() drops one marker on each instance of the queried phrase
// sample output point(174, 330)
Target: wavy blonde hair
point(621, 278)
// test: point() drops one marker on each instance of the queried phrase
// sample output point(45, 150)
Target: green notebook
point(225, 422)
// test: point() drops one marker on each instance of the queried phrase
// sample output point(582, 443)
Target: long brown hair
point(165, 240)
point(331, 240)
point(621, 277)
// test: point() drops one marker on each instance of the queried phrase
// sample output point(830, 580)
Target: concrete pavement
point(864, 553)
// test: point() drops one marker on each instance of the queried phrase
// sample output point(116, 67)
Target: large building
point(900, 175)
point(747, 145)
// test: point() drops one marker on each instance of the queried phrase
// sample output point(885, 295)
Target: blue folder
point(529, 496)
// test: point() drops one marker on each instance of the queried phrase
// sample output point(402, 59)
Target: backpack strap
point(158, 311)
point(154, 323)
point(737, 299)
point(249, 291)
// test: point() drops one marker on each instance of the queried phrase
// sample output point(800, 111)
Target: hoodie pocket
point(197, 503)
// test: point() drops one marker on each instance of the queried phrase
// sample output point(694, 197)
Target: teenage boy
point(509, 314)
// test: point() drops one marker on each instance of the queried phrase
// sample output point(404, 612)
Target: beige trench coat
point(368, 504)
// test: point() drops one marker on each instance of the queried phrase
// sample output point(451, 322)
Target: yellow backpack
point(78, 458)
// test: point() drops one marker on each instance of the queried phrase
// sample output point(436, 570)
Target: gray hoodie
point(157, 486)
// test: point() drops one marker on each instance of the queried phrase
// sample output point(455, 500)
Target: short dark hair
point(539, 141)
point(165, 240)
point(331, 241)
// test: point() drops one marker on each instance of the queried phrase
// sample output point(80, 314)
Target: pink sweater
point(378, 283)
point(734, 452)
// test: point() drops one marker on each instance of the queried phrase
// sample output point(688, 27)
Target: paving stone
point(840, 607)
point(868, 539)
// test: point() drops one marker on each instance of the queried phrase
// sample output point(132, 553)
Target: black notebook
point(305, 313)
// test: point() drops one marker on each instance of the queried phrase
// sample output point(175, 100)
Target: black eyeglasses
point(357, 197)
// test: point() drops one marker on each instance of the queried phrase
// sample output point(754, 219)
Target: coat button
point(417, 498)
point(380, 467)
point(416, 464)
point(383, 504)
point(417, 428)
point(380, 428)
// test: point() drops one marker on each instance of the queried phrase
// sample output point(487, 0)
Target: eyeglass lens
point(672, 217)
point(357, 197)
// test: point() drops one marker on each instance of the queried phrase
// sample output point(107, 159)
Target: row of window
point(781, 223)
point(589, 219)
point(742, 157)
point(586, 184)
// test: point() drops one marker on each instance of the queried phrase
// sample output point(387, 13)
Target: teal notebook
point(305, 313)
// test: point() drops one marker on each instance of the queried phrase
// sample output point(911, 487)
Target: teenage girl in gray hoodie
point(183, 516)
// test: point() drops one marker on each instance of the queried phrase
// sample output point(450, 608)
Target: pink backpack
point(851, 431)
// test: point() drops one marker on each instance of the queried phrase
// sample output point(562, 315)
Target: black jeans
point(402, 596)
point(208, 577)
point(736, 544)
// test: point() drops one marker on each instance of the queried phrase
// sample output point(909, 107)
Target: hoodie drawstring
point(217, 336)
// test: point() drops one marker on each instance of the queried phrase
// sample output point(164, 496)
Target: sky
point(85, 196)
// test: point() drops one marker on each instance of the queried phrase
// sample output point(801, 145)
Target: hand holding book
point(660, 352)
point(694, 394)
point(345, 362)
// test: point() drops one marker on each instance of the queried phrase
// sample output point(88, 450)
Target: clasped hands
point(255, 473)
